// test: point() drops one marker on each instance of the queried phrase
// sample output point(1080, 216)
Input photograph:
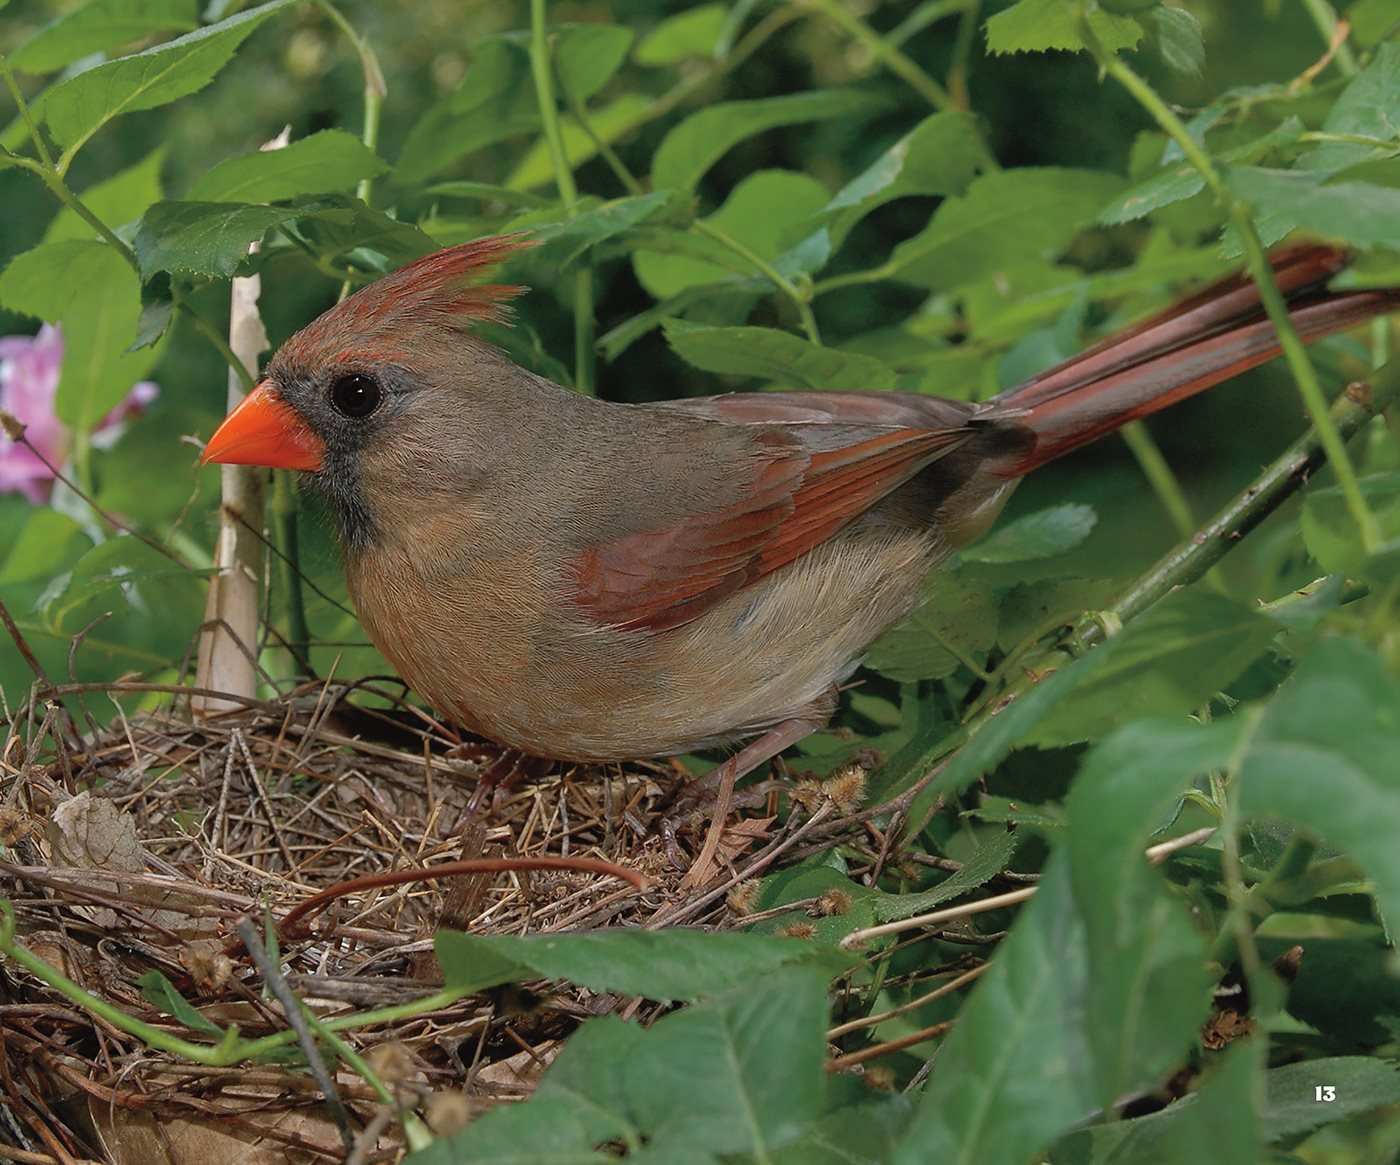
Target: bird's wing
point(811, 471)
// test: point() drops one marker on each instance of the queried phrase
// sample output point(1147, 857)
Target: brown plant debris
point(139, 847)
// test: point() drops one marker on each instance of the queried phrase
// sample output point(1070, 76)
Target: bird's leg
point(812, 718)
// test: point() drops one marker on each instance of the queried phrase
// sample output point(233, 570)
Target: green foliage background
point(936, 197)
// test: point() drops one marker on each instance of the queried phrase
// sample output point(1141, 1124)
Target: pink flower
point(29, 370)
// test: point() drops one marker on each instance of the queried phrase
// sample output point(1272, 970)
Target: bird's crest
point(431, 294)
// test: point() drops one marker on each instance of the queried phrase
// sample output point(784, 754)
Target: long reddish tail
point(1214, 335)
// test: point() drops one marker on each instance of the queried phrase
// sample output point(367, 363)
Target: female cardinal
point(587, 580)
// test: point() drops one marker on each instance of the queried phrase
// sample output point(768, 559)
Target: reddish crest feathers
point(430, 294)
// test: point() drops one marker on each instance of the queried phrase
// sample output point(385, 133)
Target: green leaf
point(117, 200)
point(43, 281)
point(1361, 1084)
point(958, 622)
point(99, 26)
point(1178, 38)
point(988, 861)
point(1082, 993)
point(45, 546)
point(160, 993)
point(862, 1133)
point(940, 155)
point(1331, 534)
point(609, 122)
point(1293, 1110)
point(988, 228)
point(1043, 534)
point(748, 1064)
point(698, 142)
point(1354, 212)
point(587, 55)
point(202, 238)
point(514, 1134)
point(1039, 25)
point(564, 240)
point(693, 33)
point(86, 286)
point(78, 107)
point(495, 101)
point(324, 162)
point(1148, 989)
point(1369, 107)
point(1339, 715)
point(776, 356)
point(1170, 661)
point(675, 964)
point(1182, 180)
point(586, 1078)
point(759, 213)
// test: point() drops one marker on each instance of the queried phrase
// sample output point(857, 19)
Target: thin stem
point(1325, 18)
point(1160, 476)
point(26, 114)
point(284, 513)
point(884, 52)
point(776, 277)
point(542, 73)
point(1257, 261)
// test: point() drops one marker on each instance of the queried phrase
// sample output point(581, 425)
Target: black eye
point(356, 395)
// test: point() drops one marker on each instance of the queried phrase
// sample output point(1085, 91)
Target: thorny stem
point(1257, 261)
point(542, 73)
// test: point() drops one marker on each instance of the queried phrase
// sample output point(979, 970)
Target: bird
point(588, 580)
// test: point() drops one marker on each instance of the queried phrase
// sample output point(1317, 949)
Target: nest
point(142, 846)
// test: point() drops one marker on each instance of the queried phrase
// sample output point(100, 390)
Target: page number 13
point(1325, 1092)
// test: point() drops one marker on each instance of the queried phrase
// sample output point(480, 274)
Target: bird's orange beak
point(265, 430)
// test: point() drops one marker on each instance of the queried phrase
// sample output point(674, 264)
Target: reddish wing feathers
point(658, 579)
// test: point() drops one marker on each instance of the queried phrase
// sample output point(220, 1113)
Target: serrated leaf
point(675, 964)
point(564, 240)
point(986, 229)
point(1338, 717)
point(1178, 38)
point(1182, 180)
point(1043, 534)
point(692, 33)
point(957, 622)
point(1065, 1012)
point(1040, 25)
point(86, 286)
point(1354, 212)
point(1369, 107)
point(202, 238)
point(1333, 538)
point(776, 356)
point(44, 280)
point(320, 164)
point(101, 25)
point(1170, 661)
point(698, 142)
point(76, 108)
